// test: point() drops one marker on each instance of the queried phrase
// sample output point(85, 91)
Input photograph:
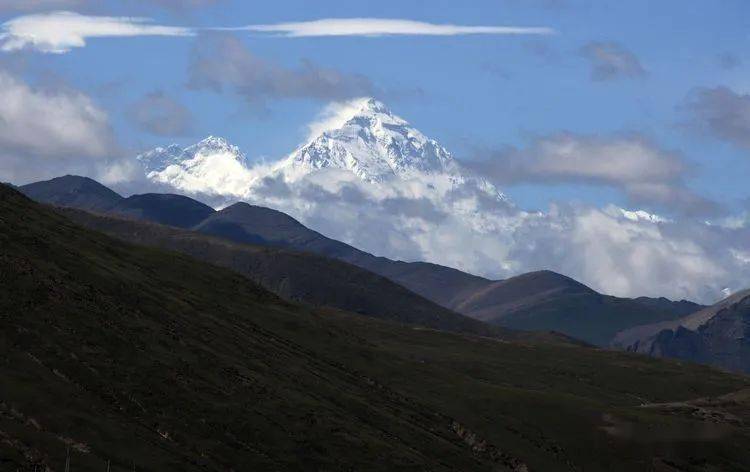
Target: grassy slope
point(296, 276)
point(134, 354)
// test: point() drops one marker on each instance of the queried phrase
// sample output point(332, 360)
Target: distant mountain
point(679, 308)
point(539, 301)
point(73, 191)
point(375, 145)
point(642, 334)
point(561, 304)
point(212, 166)
point(536, 301)
point(718, 335)
point(366, 139)
point(166, 209)
point(252, 224)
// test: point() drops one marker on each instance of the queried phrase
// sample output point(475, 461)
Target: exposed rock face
point(723, 340)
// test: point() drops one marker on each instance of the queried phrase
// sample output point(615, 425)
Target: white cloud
point(624, 252)
point(45, 132)
point(386, 27)
point(59, 32)
point(616, 251)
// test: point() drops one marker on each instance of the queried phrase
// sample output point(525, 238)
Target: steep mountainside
point(113, 352)
point(537, 301)
point(258, 225)
point(299, 276)
point(718, 335)
point(375, 145)
point(641, 334)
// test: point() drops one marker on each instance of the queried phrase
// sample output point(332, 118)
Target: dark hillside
point(155, 361)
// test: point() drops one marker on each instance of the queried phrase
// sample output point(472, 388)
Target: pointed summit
point(371, 105)
point(367, 139)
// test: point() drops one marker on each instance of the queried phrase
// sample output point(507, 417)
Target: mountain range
point(542, 301)
point(132, 357)
point(366, 139)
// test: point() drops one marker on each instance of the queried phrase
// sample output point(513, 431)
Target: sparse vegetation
point(151, 359)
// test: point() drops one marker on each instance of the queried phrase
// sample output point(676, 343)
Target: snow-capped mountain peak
point(366, 138)
point(362, 137)
point(160, 158)
point(212, 166)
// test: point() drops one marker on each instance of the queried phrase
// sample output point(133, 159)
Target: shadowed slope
point(73, 191)
point(166, 209)
point(297, 276)
point(153, 360)
point(558, 303)
point(537, 301)
point(717, 335)
point(252, 224)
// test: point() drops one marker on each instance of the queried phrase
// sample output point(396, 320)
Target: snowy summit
point(362, 137)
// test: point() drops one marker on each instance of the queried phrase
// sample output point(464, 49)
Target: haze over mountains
point(369, 178)
point(368, 143)
point(543, 301)
point(303, 265)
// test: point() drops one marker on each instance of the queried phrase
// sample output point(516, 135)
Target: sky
point(637, 104)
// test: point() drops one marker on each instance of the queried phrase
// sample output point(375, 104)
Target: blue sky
point(471, 93)
point(626, 105)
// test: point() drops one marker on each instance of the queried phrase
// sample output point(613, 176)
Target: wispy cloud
point(720, 112)
point(160, 114)
point(59, 32)
point(385, 27)
point(647, 173)
point(223, 62)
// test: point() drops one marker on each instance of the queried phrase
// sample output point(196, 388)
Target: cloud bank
point(619, 252)
point(48, 131)
point(632, 163)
